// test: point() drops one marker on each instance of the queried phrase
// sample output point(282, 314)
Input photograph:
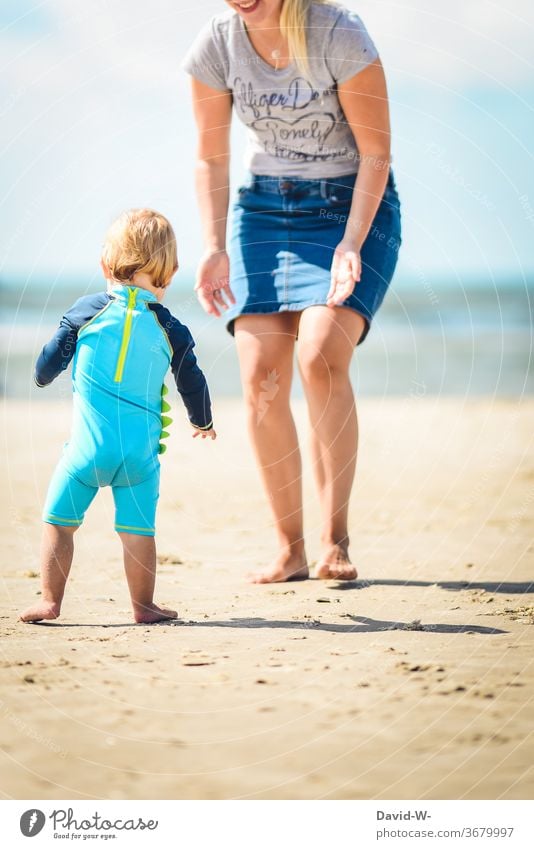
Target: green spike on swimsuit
point(122, 346)
point(165, 420)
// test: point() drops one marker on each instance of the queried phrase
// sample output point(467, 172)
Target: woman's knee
point(318, 366)
point(327, 339)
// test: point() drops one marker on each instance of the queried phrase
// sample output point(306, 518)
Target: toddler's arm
point(59, 351)
point(188, 376)
point(190, 380)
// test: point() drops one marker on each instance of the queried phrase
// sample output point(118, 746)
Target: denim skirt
point(284, 231)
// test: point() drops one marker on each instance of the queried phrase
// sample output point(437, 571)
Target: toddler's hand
point(204, 433)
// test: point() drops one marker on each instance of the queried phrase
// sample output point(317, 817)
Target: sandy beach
point(416, 681)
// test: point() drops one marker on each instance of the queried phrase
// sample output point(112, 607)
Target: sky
point(95, 117)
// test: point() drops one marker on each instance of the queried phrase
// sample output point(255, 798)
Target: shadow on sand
point(360, 625)
point(454, 586)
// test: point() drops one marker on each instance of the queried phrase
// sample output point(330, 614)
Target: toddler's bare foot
point(288, 566)
point(43, 610)
point(151, 613)
point(335, 565)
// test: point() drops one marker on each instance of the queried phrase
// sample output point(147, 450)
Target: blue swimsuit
point(122, 345)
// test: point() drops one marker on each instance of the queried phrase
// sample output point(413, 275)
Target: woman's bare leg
point(265, 346)
point(140, 567)
point(57, 549)
point(327, 338)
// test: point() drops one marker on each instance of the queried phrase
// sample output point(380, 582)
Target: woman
point(314, 238)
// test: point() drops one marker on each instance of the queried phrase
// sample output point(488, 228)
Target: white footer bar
point(267, 824)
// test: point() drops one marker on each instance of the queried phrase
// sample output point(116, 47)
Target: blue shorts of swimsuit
point(283, 235)
point(69, 497)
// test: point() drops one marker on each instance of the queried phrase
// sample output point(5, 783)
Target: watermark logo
point(95, 825)
point(269, 391)
point(32, 822)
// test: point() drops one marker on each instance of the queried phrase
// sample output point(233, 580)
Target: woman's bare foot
point(151, 613)
point(288, 566)
point(335, 565)
point(43, 610)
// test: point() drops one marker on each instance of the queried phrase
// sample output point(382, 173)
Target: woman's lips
point(248, 7)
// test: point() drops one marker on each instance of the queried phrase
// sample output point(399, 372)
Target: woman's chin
point(249, 10)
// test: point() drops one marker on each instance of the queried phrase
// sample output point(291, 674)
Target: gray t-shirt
point(295, 123)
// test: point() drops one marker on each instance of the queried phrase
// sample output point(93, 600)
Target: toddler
point(121, 343)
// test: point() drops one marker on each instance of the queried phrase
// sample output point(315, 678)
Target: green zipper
point(126, 333)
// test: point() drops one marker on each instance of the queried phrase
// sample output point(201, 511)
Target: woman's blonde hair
point(293, 21)
point(141, 240)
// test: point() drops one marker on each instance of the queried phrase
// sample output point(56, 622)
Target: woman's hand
point(345, 273)
point(212, 284)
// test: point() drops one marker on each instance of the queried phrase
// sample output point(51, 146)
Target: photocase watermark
point(23, 728)
point(390, 241)
point(211, 286)
point(65, 819)
point(330, 215)
point(269, 391)
point(32, 822)
point(279, 142)
point(423, 280)
point(12, 100)
point(216, 67)
point(519, 514)
point(527, 208)
point(375, 232)
point(65, 825)
point(455, 175)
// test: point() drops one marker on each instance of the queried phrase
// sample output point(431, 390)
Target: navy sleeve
point(57, 354)
point(188, 376)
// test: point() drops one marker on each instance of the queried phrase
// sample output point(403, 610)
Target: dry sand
point(308, 690)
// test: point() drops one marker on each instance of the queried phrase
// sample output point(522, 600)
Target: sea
point(431, 337)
